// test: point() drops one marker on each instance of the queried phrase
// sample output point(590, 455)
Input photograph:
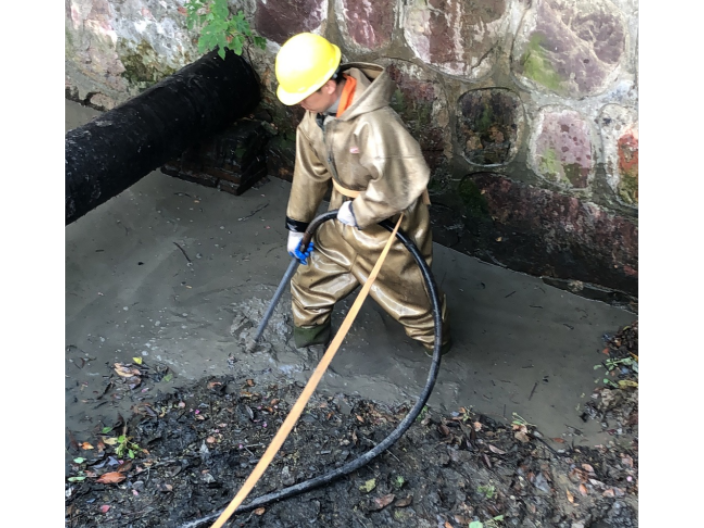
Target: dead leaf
point(448, 525)
point(632, 419)
point(144, 409)
point(570, 497)
point(124, 467)
point(123, 371)
point(110, 441)
point(104, 508)
point(609, 493)
point(164, 486)
point(589, 469)
point(444, 429)
point(111, 478)
point(360, 419)
point(583, 489)
point(368, 486)
point(404, 502)
point(559, 440)
point(496, 450)
point(521, 434)
point(210, 439)
point(86, 446)
point(627, 461)
point(477, 426)
point(576, 475)
point(259, 511)
point(250, 383)
point(383, 501)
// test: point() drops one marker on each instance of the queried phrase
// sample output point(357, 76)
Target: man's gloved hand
point(294, 241)
point(345, 214)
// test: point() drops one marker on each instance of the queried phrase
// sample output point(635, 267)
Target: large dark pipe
point(115, 150)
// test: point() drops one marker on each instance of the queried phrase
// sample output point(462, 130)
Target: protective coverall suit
point(366, 149)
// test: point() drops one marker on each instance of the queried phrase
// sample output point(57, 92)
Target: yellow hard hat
point(304, 63)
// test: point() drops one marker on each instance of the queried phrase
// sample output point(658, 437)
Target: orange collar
point(347, 94)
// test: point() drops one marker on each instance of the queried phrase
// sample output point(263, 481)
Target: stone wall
point(527, 111)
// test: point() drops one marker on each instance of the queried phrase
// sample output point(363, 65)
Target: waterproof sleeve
point(399, 173)
point(310, 182)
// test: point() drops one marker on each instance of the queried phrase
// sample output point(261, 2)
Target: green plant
point(219, 28)
point(125, 446)
point(81, 475)
point(487, 491)
point(520, 421)
point(491, 523)
point(422, 414)
point(613, 364)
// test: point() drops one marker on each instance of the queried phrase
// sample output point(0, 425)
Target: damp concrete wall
point(527, 111)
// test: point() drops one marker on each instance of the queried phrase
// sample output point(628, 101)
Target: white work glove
point(294, 240)
point(345, 214)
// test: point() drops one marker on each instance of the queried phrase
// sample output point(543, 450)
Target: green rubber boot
point(312, 335)
point(444, 349)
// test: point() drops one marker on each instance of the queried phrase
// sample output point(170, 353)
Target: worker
point(351, 136)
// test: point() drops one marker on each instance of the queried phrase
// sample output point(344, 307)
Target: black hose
point(400, 429)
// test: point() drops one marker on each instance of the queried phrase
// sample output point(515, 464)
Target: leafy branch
point(219, 28)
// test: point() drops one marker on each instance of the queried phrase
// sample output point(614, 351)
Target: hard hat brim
point(290, 99)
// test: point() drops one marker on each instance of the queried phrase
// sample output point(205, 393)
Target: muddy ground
point(182, 456)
